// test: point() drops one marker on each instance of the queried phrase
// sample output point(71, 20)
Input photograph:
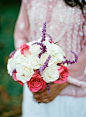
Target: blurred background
point(10, 91)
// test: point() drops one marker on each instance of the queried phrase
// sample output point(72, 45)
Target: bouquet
point(39, 63)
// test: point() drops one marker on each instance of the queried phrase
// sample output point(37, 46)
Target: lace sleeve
point(78, 74)
point(22, 27)
point(77, 71)
point(83, 42)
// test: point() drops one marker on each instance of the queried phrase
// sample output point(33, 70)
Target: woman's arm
point(77, 72)
point(22, 27)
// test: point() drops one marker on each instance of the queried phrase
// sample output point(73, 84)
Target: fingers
point(41, 95)
point(44, 100)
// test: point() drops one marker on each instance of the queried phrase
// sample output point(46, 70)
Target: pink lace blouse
point(65, 25)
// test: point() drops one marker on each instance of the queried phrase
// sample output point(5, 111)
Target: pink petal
point(14, 76)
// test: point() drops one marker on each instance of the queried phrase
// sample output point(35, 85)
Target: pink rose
point(64, 72)
point(24, 49)
point(52, 41)
point(14, 77)
point(36, 83)
point(20, 82)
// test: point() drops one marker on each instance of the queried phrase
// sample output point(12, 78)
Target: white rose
point(10, 66)
point(43, 58)
point(56, 58)
point(30, 43)
point(61, 51)
point(17, 53)
point(24, 72)
point(50, 73)
point(54, 49)
point(53, 60)
point(21, 78)
point(59, 58)
point(33, 61)
point(19, 58)
point(35, 49)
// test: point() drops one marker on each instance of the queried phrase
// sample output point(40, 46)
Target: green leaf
point(56, 42)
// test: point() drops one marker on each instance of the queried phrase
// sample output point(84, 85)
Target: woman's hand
point(55, 89)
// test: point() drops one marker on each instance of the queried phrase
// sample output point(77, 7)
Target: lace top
point(65, 25)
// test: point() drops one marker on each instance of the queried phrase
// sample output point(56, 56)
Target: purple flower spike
point(76, 57)
point(43, 32)
point(43, 48)
point(42, 68)
point(48, 88)
point(38, 43)
point(12, 53)
point(13, 72)
point(50, 38)
point(69, 61)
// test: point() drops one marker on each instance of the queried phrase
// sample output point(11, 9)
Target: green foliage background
point(10, 91)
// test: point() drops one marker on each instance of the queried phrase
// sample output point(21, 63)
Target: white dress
point(61, 106)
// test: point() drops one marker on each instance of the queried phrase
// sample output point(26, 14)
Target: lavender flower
point(13, 72)
point(12, 53)
point(41, 69)
point(69, 61)
point(43, 32)
point(50, 38)
point(48, 88)
point(76, 57)
point(43, 48)
point(37, 43)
